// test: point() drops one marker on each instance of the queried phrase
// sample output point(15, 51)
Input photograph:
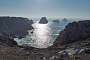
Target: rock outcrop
point(15, 26)
point(43, 20)
point(7, 41)
point(73, 32)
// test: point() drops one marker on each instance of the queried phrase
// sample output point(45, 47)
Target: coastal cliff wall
point(74, 31)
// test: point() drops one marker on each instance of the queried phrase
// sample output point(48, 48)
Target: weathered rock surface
point(74, 31)
point(15, 26)
point(43, 20)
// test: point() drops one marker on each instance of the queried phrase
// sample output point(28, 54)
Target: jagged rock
point(74, 31)
point(43, 20)
point(15, 26)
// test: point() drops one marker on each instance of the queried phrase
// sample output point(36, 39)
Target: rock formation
point(74, 31)
point(64, 20)
point(15, 26)
point(7, 41)
point(43, 20)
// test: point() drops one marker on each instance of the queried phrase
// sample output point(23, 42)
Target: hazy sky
point(49, 8)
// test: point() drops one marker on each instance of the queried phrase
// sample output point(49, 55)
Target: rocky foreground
point(73, 43)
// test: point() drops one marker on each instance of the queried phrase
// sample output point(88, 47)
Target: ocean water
point(43, 35)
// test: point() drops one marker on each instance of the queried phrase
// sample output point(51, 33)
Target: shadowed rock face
point(74, 31)
point(43, 20)
point(15, 26)
point(7, 41)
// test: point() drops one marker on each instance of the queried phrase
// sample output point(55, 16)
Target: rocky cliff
point(75, 31)
point(15, 26)
point(9, 50)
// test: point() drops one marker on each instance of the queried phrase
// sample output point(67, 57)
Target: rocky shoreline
point(73, 32)
point(73, 42)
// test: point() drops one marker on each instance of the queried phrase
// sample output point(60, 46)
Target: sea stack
point(65, 20)
point(43, 20)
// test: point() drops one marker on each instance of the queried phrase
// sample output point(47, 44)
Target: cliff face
point(14, 26)
point(74, 31)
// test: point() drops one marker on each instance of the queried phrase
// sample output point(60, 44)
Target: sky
point(48, 8)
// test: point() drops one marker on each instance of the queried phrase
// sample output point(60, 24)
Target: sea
point(43, 35)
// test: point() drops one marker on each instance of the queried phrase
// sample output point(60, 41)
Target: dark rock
point(74, 31)
point(43, 20)
point(31, 21)
point(15, 26)
point(7, 41)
